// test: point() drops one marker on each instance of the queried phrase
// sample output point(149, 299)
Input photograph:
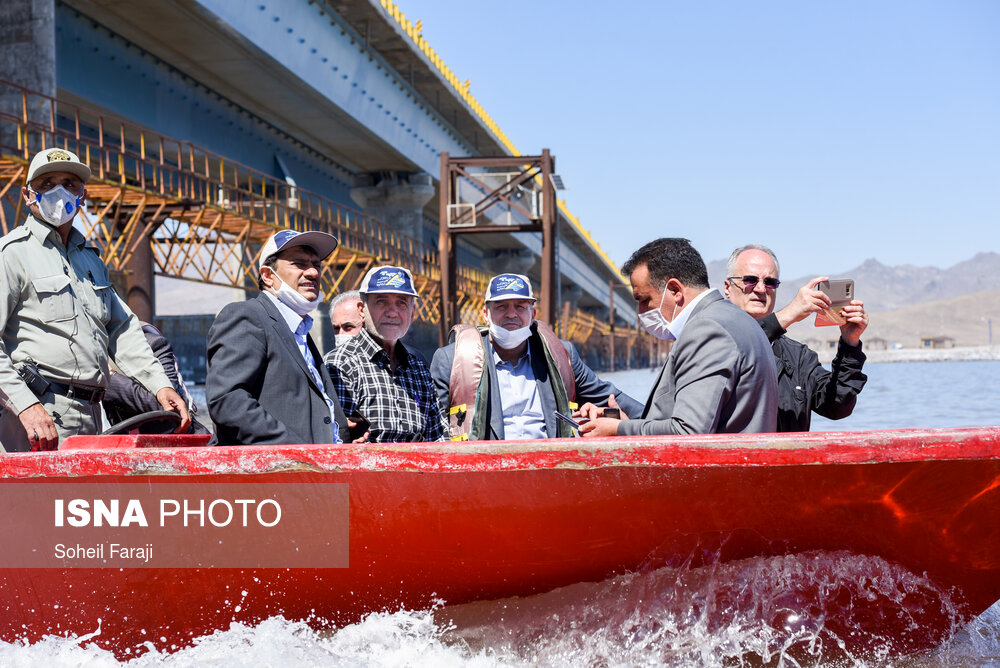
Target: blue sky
point(831, 131)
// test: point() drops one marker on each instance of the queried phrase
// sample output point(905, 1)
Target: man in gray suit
point(266, 379)
point(720, 375)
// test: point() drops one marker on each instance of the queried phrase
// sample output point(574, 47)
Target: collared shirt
point(522, 405)
point(676, 326)
point(402, 405)
point(57, 307)
point(300, 326)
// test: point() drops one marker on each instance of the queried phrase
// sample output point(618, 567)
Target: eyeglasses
point(751, 281)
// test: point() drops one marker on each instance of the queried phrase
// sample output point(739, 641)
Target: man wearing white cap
point(61, 320)
point(507, 380)
point(266, 382)
point(378, 378)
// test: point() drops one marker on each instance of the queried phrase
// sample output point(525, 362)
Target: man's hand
point(351, 424)
point(171, 401)
point(857, 322)
point(807, 300)
point(600, 427)
point(592, 412)
point(41, 430)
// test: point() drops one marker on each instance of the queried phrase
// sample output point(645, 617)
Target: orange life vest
point(468, 387)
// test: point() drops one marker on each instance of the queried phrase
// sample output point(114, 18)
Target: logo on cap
point(388, 278)
point(57, 155)
point(281, 237)
point(508, 283)
point(509, 286)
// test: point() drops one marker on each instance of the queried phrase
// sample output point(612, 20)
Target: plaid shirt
point(400, 406)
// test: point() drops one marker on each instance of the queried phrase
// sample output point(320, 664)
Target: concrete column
point(27, 58)
point(572, 294)
point(512, 261)
point(140, 293)
point(396, 199)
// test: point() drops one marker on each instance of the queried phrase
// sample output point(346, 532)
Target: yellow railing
point(221, 201)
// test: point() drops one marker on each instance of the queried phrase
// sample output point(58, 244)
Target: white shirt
point(522, 405)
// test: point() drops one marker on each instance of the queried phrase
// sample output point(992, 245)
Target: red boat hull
point(476, 521)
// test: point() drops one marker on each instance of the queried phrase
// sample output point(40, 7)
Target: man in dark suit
point(720, 375)
point(266, 380)
point(514, 374)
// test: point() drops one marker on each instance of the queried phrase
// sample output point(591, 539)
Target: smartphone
point(570, 421)
point(840, 292)
point(362, 425)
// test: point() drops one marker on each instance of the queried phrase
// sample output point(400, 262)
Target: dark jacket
point(588, 386)
point(805, 386)
point(259, 388)
point(125, 398)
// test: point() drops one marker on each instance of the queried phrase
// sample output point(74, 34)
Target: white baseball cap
point(57, 160)
point(321, 242)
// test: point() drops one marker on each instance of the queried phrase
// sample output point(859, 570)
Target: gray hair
point(731, 264)
point(349, 296)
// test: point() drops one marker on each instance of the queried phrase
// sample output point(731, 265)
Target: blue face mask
point(57, 206)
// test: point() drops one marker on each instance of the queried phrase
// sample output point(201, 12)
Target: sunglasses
point(751, 281)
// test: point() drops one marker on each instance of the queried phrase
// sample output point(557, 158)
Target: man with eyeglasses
point(804, 385)
point(718, 378)
point(62, 321)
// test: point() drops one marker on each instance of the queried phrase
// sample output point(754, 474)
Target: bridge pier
point(140, 290)
point(27, 58)
point(396, 199)
point(510, 261)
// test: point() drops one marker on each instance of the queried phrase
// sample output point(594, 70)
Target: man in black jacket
point(803, 384)
point(125, 398)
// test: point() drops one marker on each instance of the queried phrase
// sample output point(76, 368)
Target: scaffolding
point(195, 215)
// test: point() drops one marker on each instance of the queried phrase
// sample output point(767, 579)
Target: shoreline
point(957, 354)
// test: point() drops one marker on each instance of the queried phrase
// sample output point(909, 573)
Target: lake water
point(658, 618)
point(897, 396)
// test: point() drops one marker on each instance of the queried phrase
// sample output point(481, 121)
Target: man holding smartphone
point(804, 385)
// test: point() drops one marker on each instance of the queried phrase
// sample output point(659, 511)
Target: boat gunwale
point(130, 455)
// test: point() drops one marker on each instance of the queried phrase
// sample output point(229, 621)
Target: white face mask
point(507, 338)
point(57, 206)
point(341, 339)
point(293, 300)
point(654, 322)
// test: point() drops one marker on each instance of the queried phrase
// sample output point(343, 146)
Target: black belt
point(91, 394)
